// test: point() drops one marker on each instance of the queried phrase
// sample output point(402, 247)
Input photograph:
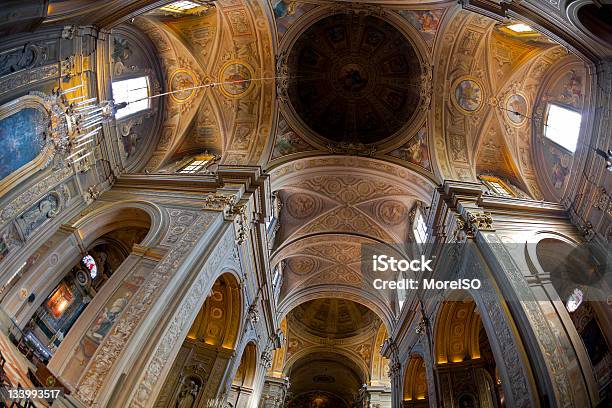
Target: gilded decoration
point(235, 77)
point(183, 79)
point(24, 139)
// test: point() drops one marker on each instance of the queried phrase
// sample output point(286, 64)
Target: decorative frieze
point(27, 77)
point(25, 199)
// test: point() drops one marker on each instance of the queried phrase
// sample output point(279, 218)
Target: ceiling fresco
point(367, 108)
point(333, 318)
point(229, 44)
point(353, 78)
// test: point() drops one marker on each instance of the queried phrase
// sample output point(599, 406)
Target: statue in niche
point(188, 395)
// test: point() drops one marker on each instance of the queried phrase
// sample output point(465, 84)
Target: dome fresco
point(356, 78)
point(335, 318)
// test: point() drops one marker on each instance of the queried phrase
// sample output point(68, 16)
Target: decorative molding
point(181, 321)
point(108, 352)
point(24, 200)
point(26, 77)
point(351, 149)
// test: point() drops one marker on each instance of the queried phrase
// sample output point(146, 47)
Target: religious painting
point(468, 95)
point(59, 301)
point(426, 21)
point(22, 139)
point(112, 310)
point(181, 80)
point(516, 109)
point(236, 79)
point(287, 141)
point(560, 167)
point(416, 151)
point(571, 92)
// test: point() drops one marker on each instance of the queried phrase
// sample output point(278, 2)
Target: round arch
point(247, 370)
point(218, 321)
point(361, 296)
point(415, 382)
point(123, 214)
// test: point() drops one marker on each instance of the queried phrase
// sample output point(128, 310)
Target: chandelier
point(74, 124)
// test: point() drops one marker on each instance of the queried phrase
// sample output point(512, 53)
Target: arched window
point(562, 126)
point(134, 91)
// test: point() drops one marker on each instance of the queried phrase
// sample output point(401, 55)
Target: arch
point(361, 296)
point(415, 382)
point(317, 369)
point(461, 344)
point(576, 272)
point(111, 216)
point(288, 173)
point(456, 332)
point(217, 323)
point(356, 364)
point(246, 372)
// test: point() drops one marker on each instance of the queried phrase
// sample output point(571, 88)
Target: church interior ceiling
point(356, 111)
point(355, 136)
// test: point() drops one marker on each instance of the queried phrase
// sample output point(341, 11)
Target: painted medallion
point(468, 95)
point(236, 79)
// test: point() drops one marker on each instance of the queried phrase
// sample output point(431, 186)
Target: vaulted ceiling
point(357, 112)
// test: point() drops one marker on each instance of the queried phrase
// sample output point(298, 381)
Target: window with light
point(134, 91)
point(194, 166)
point(419, 228)
point(562, 126)
point(180, 6)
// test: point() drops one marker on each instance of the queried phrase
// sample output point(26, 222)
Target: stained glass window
point(91, 266)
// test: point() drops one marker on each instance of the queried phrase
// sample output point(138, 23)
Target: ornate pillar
point(274, 392)
point(537, 360)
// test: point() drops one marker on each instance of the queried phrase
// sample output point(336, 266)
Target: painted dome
point(356, 78)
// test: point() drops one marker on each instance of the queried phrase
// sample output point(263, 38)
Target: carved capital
point(266, 359)
point(480, 221)
point(470, 223)
point(219, 202)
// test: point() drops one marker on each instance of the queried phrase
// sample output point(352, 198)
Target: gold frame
point(39, 162)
